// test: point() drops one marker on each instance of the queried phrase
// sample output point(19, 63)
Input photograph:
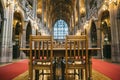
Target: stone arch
point(22, 16)
point(93, 34)
point(17, 31)
point(105, 29)
point(17, 24)
point(105, 26)
point(21, 12)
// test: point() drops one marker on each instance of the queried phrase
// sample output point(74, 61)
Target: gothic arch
point(17, 31)
point(28, 33)
point(18, 13)
point(105, 29)
point(17, 24)
point(93, 34)
point(105, 26)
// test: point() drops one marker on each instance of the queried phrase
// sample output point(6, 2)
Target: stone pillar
point(74, 17)
point(23, 40)
point(47, 16)
point(115, 55)
point(118, 30)
point(23, 35)
point(42, 13)
point(78, 4)
point(10, 30)
point(70, 26)
point(87, 8)
point(6, 54)
point(51, 26)
point(99, 40)
point(4, 39)
point(34, 9)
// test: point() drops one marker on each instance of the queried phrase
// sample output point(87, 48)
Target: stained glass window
point(60, 29)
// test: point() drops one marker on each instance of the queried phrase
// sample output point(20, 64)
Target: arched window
point(60, 29)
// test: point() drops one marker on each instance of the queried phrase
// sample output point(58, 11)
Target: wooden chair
point(41, 56)
point(76, 56)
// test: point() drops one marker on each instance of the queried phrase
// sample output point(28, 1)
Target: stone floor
point(95, 76)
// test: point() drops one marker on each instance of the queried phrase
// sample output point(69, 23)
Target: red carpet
point(10, 71)
point(108, 69)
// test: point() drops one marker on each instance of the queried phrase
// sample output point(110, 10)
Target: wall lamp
point(105, 7)
point(82, 12)
point(114, 1)
point(8, 3)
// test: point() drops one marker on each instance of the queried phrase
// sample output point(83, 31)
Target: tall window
point(60, 29)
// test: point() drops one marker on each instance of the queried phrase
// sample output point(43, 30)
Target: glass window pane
point(60, 29)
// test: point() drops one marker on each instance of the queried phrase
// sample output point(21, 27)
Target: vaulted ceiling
point(56, 9)
point(49, 11)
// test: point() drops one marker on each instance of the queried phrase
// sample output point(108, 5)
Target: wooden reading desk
point(60, 52)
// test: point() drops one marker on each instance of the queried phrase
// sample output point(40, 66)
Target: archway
point(93, 36)
point(106, 34)
point(17, 31)
point(93, 33)
point(28, 33)
point(1, 23)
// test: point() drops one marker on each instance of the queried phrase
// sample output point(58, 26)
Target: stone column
point(34, 9)
point(10, 30)
point(70, 26)
point(42, 13)
point(4, 39)
point(78, 4)
point(74, 17)
point(23, 35)
point(51, 23)
point(118, 30)
point(47, 16)
point(86, 7)
point(23, 40)
point(115, 55)
point(6, 54)
point(99, 40)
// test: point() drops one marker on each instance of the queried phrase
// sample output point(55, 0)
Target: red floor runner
point(10, 71)
point(108, 69)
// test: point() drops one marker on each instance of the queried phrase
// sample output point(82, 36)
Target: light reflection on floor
point(96, 75)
